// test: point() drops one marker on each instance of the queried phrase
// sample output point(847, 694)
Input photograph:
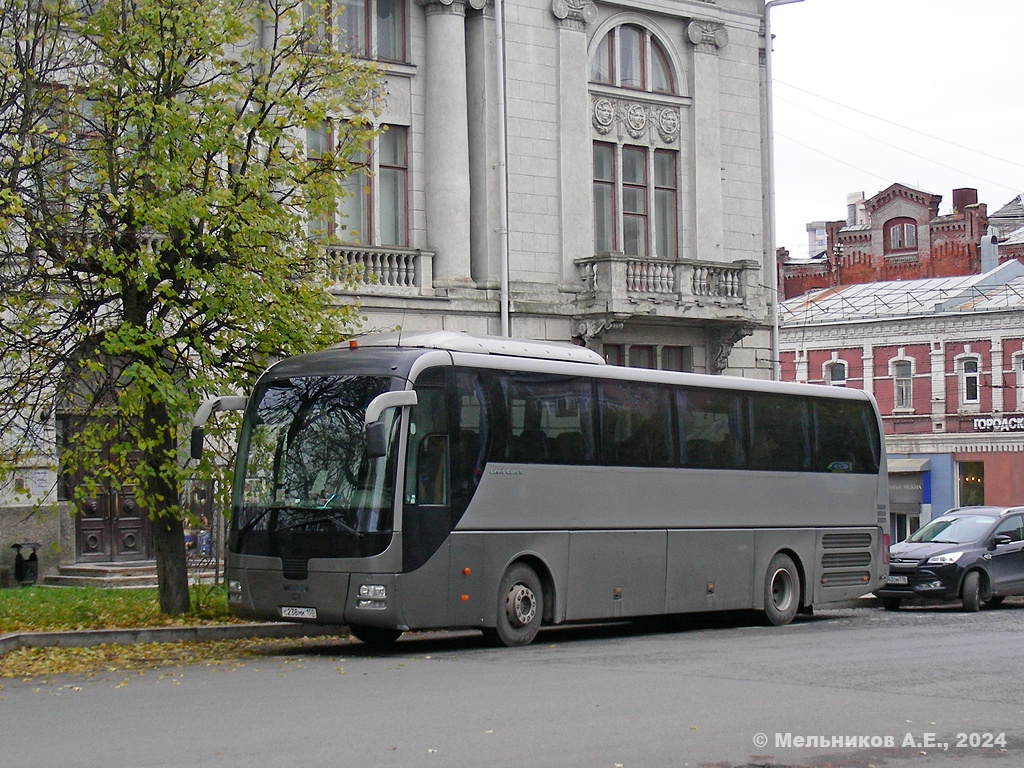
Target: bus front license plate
point(297, 612)
point(895, 579)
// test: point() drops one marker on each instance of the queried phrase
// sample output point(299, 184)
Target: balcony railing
point(380, 269)
point(613, 277)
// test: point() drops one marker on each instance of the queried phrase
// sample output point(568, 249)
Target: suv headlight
point(947, 559)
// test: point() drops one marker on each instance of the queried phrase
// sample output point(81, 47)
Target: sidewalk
point(89, 637)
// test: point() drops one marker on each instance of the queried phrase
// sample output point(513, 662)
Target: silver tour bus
point(442, 480)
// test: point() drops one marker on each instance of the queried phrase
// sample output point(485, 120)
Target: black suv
point(974, 554)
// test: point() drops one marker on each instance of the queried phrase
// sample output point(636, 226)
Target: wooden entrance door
point(112, 527)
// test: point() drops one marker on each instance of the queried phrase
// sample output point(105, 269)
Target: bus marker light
point(465, 598)
point(353, 344)
point(465, 571)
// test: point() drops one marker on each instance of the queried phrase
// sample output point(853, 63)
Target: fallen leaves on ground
point(32, 663)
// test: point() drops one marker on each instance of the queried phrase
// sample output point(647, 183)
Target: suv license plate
point(897, 579)
point(296, 612)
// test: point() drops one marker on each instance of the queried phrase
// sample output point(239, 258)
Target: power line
point(901, 149)
point(886, 179)
point(899, 125)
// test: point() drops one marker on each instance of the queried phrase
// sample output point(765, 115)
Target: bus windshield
point(305, 485)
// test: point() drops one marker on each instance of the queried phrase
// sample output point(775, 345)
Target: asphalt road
point(848, 687)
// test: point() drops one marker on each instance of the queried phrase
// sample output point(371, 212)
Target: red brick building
point(944, 358)
point(904, 238)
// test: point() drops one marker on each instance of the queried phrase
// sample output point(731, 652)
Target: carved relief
point(636, 119)
point(708, 36)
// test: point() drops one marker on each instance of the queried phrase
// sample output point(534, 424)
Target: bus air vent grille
point(846, 560)
point(846, 541)
point(295, 568)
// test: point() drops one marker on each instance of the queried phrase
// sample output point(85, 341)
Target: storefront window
point(971, 483)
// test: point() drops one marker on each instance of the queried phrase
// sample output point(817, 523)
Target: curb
point(89, 637)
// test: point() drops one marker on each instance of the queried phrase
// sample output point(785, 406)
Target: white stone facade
point(709, 295)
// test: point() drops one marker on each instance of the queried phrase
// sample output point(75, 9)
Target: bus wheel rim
point(521, 605)
point(782, 589)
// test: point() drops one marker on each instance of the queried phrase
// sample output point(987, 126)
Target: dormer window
point(900, 235)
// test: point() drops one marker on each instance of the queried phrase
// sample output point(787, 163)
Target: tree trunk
point(162, 500)
point(171, 570)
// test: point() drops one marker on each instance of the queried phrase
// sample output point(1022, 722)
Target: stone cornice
point(574, 14)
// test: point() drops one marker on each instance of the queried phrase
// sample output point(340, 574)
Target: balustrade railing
point(387, 270)
point(614, 274)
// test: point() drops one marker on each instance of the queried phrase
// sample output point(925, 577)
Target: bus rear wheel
point(781, 590)
point(520, 606)
point(378, 637)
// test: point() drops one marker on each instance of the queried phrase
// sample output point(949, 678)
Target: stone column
point(576, 201)
point(707, 38)
point(996, 378)
point(446, 143)
point(484, 152)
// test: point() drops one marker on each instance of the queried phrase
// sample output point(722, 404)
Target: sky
point(868, 93)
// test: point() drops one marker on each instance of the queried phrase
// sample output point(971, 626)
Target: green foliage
point(156, 193)
point(47, 609)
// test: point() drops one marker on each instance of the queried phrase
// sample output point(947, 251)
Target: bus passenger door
point(426, 509)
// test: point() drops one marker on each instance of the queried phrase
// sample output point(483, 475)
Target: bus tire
point(781, 590)
point(520, 606)
point(970, 592)
point(378, 637)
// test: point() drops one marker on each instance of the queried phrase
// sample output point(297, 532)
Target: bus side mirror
point(196, 446)
point(209, 406)
point(376, 434)
point(376, 440)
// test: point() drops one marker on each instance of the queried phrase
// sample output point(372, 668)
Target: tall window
point(634, 201)
point(604, 198)
point(626, 179)
point(901, 235)
point(903, 391)
point(631, 57)
point(1018, 367)
point(374, 208)
point(372, 29)
point(969, 382)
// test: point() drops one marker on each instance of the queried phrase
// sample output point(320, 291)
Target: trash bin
point(26, 569)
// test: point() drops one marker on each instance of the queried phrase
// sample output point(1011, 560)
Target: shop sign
point(999, 424)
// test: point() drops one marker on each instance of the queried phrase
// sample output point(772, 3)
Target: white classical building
point(626, 142)
point(587, 171)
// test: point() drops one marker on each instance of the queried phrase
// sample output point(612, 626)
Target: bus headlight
point(373, 597)
point(234, 591)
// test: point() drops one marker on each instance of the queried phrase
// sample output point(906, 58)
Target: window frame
point(650, 224)
point(902, 386)
point(966, 380)
point(652, 61)
point(900, 235)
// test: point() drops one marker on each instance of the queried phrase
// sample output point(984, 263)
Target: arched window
point(835, 373)
point(900, 235)
point(903, 383)
point(630, 56)
point(970, 380)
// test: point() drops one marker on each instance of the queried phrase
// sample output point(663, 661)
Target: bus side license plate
point(897, 579)
point(297, 612)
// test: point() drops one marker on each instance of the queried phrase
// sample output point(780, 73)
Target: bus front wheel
point(781, 590)
point(520, 606)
